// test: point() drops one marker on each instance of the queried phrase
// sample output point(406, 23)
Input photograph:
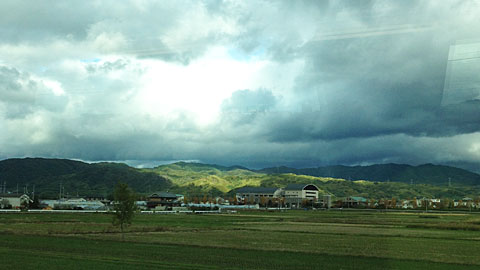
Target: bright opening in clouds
point(197, 88)
point(254, 83)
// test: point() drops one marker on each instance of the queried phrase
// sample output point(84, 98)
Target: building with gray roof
point(257, 195)
point(163, 199)
point(293, 195)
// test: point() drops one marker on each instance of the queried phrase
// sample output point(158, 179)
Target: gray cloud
point(349, 82)
point(371, 85)
point(21, 95)
point(244, 107)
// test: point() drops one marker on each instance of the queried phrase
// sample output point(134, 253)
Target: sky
point(252, 83)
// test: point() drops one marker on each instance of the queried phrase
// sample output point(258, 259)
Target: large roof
point(11, 195)
point(301, 187)
point(162, 194)
point(262, 190)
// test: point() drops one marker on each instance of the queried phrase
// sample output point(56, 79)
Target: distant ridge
point(382, 180)
point(198, 179)
point(422, 174)
point(202, 166)
point(75, 177)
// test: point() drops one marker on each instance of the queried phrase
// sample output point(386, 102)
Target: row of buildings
point(291, 196)
point(415, 203)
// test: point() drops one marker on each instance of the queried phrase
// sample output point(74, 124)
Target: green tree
point(35, 204)
point(372, 203)
point(263, 201)
point(394, 203)
point(124, 206)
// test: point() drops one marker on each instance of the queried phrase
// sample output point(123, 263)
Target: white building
point(74, 203)
point(293, 195)
point(301, 191)
point(254, 195)
point(13, 200)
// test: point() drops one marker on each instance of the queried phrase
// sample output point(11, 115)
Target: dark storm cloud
point(133, 28)
point(372, 86)
point(359, 88)
point(366, 86)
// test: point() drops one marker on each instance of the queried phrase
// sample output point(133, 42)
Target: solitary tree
point(124, 206)
point(263, 201)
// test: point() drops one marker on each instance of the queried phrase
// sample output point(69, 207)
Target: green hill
point(200, 178)
point(195, 179)
point(76, 177)
point(422, 174)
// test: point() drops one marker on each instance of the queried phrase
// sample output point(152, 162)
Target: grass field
point(247, 240)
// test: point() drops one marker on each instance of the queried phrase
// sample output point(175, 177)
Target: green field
point(246, 240)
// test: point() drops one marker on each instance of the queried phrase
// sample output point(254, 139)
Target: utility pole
point(449, 181)
point(33, 193)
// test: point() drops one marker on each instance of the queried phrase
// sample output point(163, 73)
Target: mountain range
point(422, 174)
point(50, 177)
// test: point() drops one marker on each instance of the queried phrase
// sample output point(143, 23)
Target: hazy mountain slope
point(200, 175)
point(422, 174)
point(194, 179)
point(377, 190)
point(76, 177)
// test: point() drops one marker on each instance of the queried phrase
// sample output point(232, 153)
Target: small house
point(163, 200)
point(14, 200)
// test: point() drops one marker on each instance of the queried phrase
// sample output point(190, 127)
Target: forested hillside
point(422, 174)
point(75, 177)
point(196, 179)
